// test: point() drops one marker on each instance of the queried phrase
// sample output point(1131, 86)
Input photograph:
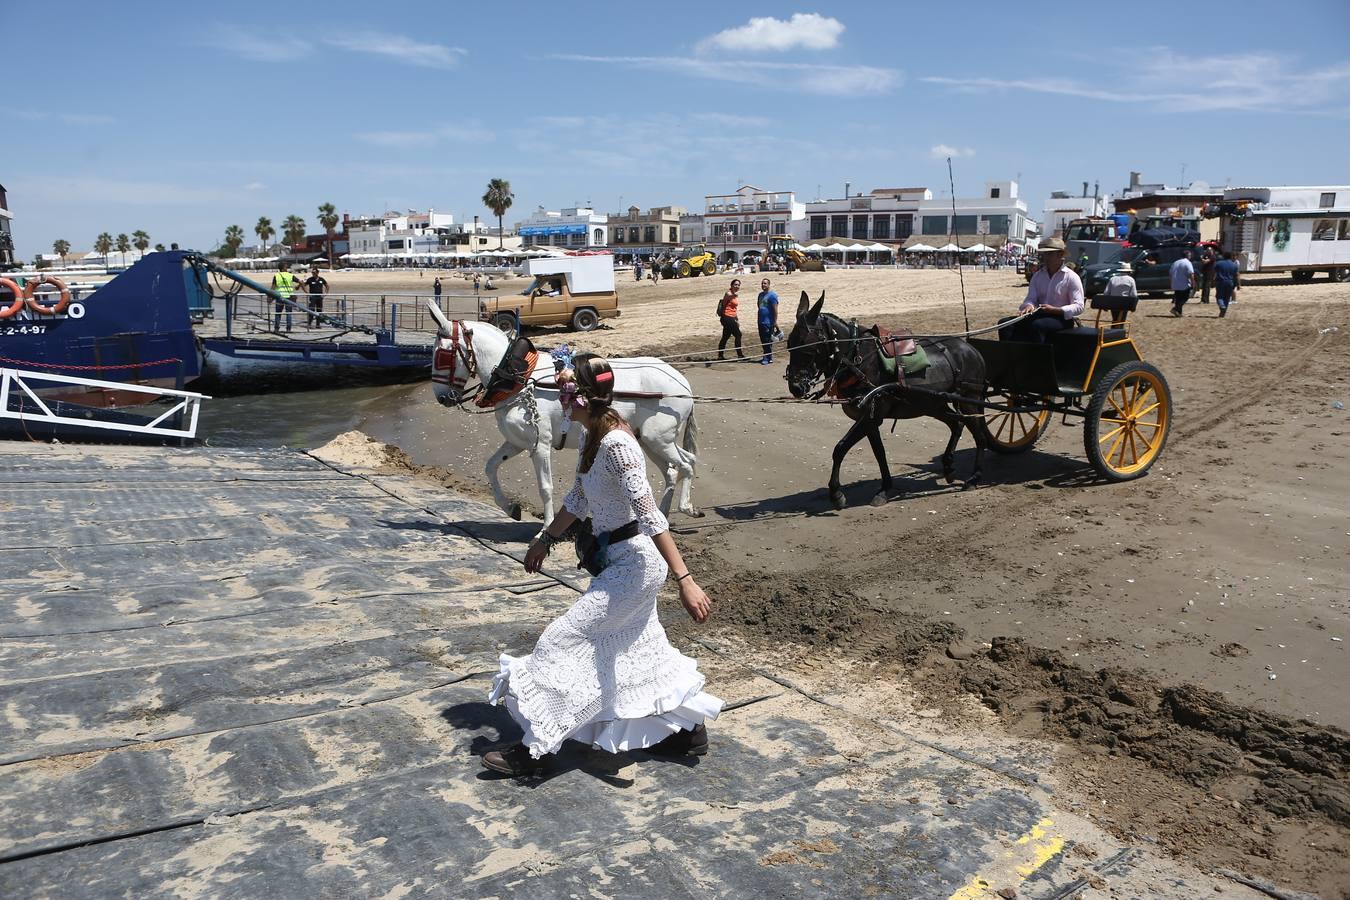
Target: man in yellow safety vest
point(284, 284)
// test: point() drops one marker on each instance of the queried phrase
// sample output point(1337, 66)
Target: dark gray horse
point(848, 358)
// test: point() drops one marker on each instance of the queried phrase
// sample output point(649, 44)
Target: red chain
point(140, 365)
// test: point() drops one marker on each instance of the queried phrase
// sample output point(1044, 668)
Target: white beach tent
point(949, 248)
point(976, 248)
point(813, 248)
point(921, 248)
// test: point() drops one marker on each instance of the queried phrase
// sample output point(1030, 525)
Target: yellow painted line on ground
point(1027, 854)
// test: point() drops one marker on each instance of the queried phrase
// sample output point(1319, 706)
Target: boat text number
point(22, 329)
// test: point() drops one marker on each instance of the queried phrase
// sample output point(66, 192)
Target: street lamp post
point(726, 236)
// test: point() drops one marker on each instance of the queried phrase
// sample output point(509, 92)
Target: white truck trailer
point(1299, 230)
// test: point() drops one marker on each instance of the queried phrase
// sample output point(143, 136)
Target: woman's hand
point(695, 601)
point(535, 556)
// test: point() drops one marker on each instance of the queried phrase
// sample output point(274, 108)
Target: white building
point(736, 223)
point(410, 232)
point(995, 219)
point(577, 228)
point(1061, 209)
point(886, 215)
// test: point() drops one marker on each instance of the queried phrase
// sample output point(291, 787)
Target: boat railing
point(381, 314)
point(20, 400)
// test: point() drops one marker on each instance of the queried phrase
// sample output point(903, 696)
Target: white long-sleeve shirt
point(1063, 290)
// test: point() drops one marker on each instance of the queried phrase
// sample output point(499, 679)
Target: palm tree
point(123, 246)
point(104, 244)
point(140, 240)
point(498, 199)
point(328, 219)
point(264, 231)
point(234, 237)
point(293, 230)
point(159, 248)
point(61, 247)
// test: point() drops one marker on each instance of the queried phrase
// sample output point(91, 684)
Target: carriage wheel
point(1010, 432)
point(1127, 421)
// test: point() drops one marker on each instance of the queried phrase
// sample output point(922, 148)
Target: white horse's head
point(463, 350)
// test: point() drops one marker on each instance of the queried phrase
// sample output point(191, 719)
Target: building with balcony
point(578, 228)
point(655, 232)
point(734, 224)
point(411, 232)
point(886, 216)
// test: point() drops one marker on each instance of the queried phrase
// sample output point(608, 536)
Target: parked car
point(1151, 266)
point(577, 291)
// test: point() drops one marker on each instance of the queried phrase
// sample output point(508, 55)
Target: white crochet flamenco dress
point(604, 673)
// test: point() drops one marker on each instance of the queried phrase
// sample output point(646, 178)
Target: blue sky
point(179, 122)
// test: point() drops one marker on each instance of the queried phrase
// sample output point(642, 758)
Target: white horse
point(653, 397)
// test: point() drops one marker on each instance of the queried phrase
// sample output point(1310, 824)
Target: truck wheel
point(709, 267)
point(683, 270)
point(585, 320)
point(1341, 275)
point(1302, 276)
point(506, 323)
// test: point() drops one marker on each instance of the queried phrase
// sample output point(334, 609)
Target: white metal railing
point(188, 405)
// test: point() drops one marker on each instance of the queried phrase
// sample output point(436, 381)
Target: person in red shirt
point(727, 311)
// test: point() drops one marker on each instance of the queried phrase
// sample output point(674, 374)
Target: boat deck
point(256, 673)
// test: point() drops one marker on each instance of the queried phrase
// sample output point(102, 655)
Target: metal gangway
point(21, 402)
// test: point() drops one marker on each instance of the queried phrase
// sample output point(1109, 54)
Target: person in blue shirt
point(768, 320)
point(1225, 282)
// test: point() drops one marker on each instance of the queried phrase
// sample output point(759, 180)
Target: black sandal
point(515, 761)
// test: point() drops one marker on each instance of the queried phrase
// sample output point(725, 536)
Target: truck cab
point(576, 291)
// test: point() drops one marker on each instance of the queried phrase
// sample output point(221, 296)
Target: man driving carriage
point(1054, 297)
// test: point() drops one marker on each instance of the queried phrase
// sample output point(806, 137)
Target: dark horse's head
point(810, 348)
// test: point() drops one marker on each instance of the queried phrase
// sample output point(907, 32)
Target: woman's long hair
point(595, 382)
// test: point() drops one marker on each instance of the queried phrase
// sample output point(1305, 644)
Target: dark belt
point(622, 533)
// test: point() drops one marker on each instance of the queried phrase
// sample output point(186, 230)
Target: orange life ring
point(31, 299)
point(17, 305)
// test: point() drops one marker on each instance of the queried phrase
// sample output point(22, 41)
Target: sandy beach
point(1222, 569)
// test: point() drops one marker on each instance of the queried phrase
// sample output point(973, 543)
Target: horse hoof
point(697, 513)
point(880, 499)
point(515, 512)
point(837, 498)
point(949, 476)
point(974, 482)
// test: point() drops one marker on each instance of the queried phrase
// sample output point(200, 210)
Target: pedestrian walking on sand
point(1182, 276)
point(637, 268)
point(1226, 282)
point(604, 673)
point(767, 308)
point(436, 287)
point(1207, 263)
point(727, 311)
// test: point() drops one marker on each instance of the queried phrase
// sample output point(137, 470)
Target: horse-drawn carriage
point(1007, 392)
point(1095, 373)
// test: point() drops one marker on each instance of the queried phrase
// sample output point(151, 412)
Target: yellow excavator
point(784, 246)
point(691, 262)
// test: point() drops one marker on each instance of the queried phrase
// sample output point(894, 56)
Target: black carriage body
point(1070, 365)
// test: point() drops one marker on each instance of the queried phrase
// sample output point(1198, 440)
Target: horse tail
point(690, 442)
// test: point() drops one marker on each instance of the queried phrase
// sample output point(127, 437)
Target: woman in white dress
point(604, 673)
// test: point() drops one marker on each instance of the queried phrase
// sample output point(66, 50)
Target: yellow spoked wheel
point(1014, 432)
point(1127, 421)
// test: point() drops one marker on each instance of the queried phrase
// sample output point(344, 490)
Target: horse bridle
point(841, 362)
point(460, 351)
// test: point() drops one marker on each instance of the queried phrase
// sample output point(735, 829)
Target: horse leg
point(846, 443)
point(979, 456)
point(949, 454)
point(543, 471)
point(499, 456)
point(879, 451)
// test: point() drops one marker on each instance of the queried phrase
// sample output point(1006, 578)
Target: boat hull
point(236, 366)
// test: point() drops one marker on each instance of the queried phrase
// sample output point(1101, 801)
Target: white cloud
point(255, 186)
point(942, 151)
point(426, 138)
point(1260, 82)
point(399, 48)
point(810, 78)
point(42, 115)
point(261, 46)
point(809, 31)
